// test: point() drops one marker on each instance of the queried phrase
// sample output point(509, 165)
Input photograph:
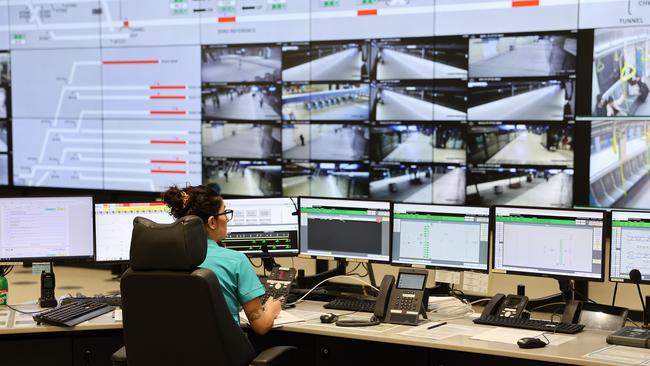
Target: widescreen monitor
point(114, 224)
point(549, 242)
point(46, 228)
point(436, 236)
point(630, 245)
point(343, 228)
point(262, 225)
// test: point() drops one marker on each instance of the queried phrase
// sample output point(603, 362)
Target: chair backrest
point(174, 313)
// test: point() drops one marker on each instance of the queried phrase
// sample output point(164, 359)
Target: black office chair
point(173, 312)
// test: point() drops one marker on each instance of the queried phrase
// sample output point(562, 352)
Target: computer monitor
point(436, 236)
point(114, 224)
point(630, 245)
point(345, 228)
point(263, 224)
point(549, 242)
point(46, 228)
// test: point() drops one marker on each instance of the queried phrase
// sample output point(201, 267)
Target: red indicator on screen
point(131, 62)
point(169, 162)
point(172, 142)
point(227, 19)
point(167, 97)
point(164, 171)
point(522, 3)
point(167, 112)
point(156, 87)
point(366, 12)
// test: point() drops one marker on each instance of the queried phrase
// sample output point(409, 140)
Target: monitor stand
point(441, 288)
point(306, 282)
point(571, 292)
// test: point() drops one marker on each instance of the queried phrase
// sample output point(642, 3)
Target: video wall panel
point(430, 101)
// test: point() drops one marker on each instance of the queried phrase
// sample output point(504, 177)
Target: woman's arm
point(261, 318)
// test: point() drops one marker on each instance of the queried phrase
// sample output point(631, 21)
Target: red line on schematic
point(227, 19)
point(130, 62)
point(169, 142)
point(167, 112)
point(168, 162)
point(522, 3)
point(154, 87)
point(167, 97)
point(366, 12)
point(166, 171)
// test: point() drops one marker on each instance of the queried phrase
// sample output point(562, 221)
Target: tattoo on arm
point(255, 314)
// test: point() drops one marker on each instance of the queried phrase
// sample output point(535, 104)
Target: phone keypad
point(407, 301)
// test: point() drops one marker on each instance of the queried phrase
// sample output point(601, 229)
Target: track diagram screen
point(441, 236)
point(549, 242)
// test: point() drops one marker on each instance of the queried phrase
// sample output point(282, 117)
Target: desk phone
point(278, 284)
point(407, 297)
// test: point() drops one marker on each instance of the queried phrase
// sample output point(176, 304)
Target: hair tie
point(185, 197)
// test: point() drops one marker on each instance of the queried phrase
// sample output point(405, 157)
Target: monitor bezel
point(611, 247)
point(439, 267)
point(63, 259)
point(547, 275)
point(272, 254)
point(114, 261)
point(332, 257)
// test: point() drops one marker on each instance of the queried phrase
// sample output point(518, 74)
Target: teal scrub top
point(236, 276)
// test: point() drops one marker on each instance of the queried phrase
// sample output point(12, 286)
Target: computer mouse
point(329, 318)
point(531, 342)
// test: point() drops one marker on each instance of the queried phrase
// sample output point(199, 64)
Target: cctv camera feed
point(225, 64)
point(340, 180)
point(4, 169)
point(4, 139)
point(295, 140)
point(620, 86)
point(338, 142)
point(242, 140)
point(335, 61)
point(537, 100)
point(295, 62)
point(522, 187)
point(418, 183)
point(243, 177)
point(403, 143)
point(618, 164)
point(325, 102)
point(521, 144)
point(450, 100)
point(546, 54)
point(450, 56)
point(407, 59)
point(398, 102)
point(242, 102)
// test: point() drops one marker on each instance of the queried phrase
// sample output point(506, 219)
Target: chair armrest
point(119, 357)
point(273, 356)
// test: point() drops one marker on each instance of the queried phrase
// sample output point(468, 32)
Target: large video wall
point(443, 101)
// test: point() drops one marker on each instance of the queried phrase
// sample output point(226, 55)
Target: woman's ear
point(212, 222)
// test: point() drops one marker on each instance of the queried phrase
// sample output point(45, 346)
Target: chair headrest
point(180, 246)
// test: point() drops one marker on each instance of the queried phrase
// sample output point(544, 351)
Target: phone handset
point(510, 306)
point(381, 304)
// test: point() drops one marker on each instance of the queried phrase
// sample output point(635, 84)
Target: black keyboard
point(542, 325)
point(108, 300)
point(73, 313)
point(351, 304)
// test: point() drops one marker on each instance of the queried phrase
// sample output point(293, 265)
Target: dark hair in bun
point(201, 201)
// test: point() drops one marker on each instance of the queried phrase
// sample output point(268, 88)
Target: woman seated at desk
point(239, 283)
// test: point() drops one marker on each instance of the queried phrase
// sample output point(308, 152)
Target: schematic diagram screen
point(441, 236)
point(262, 224)
point(347, 229)
point(549, 242)
point(630, 247)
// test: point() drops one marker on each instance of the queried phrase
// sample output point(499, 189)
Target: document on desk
point(512, 335)
point(4, 318)
point(283, 318)
point(621, 355)
point(440, 332)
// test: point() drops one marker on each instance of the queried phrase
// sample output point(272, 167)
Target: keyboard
point(108, 300)
point(73, 313)
point(542, 325)
point(351, 304)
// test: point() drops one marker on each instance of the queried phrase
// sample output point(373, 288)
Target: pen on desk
point(437, 325)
